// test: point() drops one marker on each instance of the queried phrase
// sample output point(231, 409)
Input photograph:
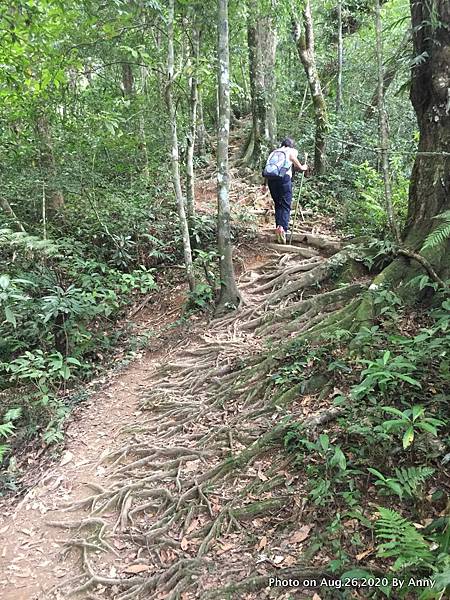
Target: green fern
point(403, 541)
point(7, 428)
point(3, 450)
point(413, 478)
point(27, 242)
point(441, 233)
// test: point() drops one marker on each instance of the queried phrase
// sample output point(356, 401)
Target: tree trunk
point(253, 76)
point(129, 91)
point(268, 57)
point(262, 43)
point(229, 294)
point(383, 127)
point(340, 59)
point(390, 71)
point(10, 212)
point(429, 192)
point(193, 103)
point(304, 38)
point(141, 125)
point(127, 80)
point(174, 150)
point(47, 162)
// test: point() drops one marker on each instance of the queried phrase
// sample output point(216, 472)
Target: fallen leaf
point(184, 543)
point(300, 535)
point(316, 597)
point(278, 559)
point(289, 561)
point(261, 475)
point(364, 554)
point(262, 543)
point(66, 458)
point(193, 525)
point(225, 548)
point(134, 569)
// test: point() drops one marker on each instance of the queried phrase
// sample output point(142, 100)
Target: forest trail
point(169, 486)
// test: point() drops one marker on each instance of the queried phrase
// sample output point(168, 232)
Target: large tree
point(175, 158)
point(229, 294)
point(304, 38)
point(430, 96)
point(429, 193)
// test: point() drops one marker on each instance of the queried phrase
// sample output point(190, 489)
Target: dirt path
point(168, 471)
point(31, 559)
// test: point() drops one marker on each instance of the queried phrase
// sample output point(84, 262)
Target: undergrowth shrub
point(387, 449)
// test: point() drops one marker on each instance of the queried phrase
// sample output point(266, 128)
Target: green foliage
point(385, 374)
point(400, 540)
point(7, 428)
point(407, 481)
point(440, 234)
point(201, 297)
point(326, 476)
point(409, 422)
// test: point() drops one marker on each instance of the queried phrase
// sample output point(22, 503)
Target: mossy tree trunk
point(429, 192)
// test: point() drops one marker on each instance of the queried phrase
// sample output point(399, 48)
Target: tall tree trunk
point(10, 212)
point(47, 162)
point(304, 38)
point(127, 80)
point(262, 43)
point(429, 193)
point(174, 149)
point(268, 57)
point(390, 71)
point(383, 127)
point(193, 103)
point(229, 294)
point(201, 133)
point(253, 76)
point(340, 58)
point(141, 125)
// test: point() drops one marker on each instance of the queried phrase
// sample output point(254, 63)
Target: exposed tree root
point(303, 251)
point(188, 476)
point(326, 243)
point(315, 276)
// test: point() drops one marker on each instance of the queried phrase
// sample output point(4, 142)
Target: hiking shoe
point(281, 236)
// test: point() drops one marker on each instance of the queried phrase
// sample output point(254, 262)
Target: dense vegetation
point(107, 113)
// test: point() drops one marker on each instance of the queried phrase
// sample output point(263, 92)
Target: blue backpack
point(277, 165)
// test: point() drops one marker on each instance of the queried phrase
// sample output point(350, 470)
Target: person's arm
point(298, 165)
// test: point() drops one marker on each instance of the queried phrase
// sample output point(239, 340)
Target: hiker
point(278, 174)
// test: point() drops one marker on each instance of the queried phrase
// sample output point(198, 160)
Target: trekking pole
point(297, 205)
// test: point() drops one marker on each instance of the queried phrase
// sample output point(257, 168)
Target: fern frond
point(3, 450)
point(413, 478)
point(13, 414)
point(403, 541)
point(6, 429)
point(442, 232)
